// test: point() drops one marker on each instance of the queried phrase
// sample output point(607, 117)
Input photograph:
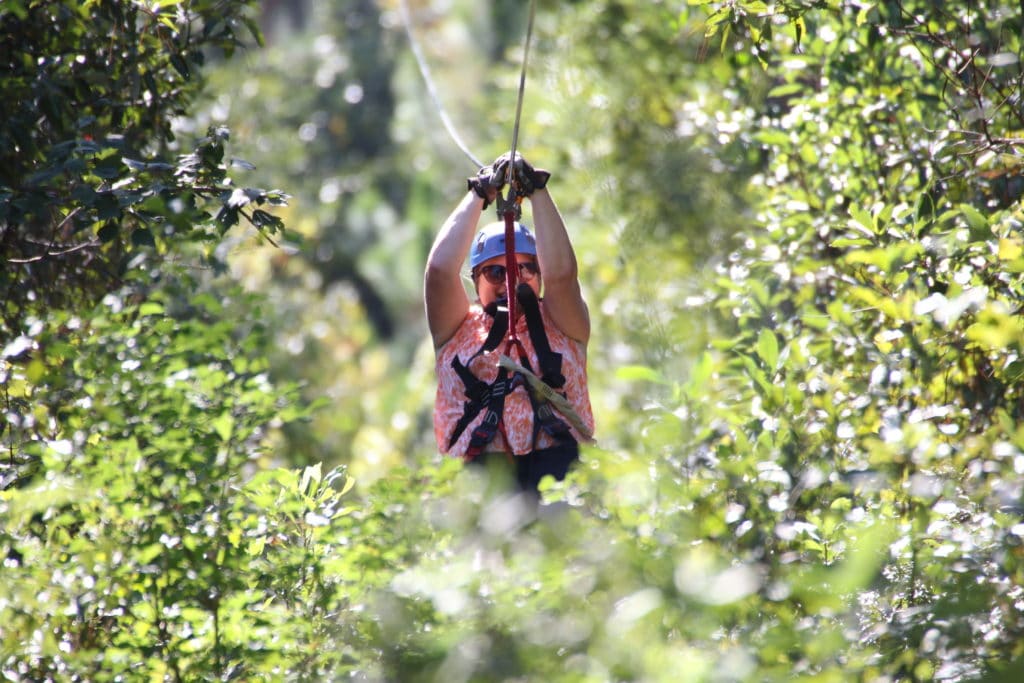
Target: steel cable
point(425, 72)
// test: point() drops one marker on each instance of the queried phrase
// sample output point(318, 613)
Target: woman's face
point(485, 274)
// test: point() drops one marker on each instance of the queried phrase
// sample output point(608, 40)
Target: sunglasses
point(495, 274)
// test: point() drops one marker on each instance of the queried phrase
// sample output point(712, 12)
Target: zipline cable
point(425, 72)
point(511, 208)
point(522, 89)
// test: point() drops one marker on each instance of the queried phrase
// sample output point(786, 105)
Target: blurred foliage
point(799, 229)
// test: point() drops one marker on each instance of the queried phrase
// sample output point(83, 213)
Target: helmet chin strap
point(492, 309)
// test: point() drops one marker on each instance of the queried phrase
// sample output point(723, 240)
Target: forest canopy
point(799, 233)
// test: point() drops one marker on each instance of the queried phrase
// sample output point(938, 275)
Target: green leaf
point(642, 373)
point(256, 546)
point(349, 483)
point(851, 242)
point(107, 233)
point(975, 219)
point(758, 375)
point(151, 308)
point(224, 425)
point(773, 137)
point(142, 237)
point(701, 372)
point(311, 478)
point(181, 66)
point(768, 348)
point(863, 221)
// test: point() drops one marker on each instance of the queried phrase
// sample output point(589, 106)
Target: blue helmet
point(490, 242)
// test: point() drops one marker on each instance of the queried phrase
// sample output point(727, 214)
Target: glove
point(528, 179)
point(486, 184)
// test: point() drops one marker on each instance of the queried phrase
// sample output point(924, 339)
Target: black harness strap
point(549, 361)
point(550, 368)
point(544, 418)
point(484, 432)
point(480, 394)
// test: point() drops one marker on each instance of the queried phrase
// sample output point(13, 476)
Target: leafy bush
point(126, 548)
point(86, 182)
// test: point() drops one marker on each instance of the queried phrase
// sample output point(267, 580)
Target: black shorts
point(535, 465)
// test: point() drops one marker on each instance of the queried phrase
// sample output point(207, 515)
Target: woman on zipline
point(483, 410)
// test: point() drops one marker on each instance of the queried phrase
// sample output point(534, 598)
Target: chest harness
point(481, 395)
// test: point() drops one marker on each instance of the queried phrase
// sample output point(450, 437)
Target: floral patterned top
point(518, 413)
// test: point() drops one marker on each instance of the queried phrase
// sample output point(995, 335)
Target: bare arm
point(563, 298)
point(443, 292)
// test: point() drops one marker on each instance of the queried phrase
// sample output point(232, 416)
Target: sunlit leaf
point(641, 373)
point(224, 425)
point(768, 348)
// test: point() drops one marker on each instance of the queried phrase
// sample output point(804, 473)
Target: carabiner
point(513, 203)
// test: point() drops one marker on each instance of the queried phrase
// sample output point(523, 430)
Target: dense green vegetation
point(799, 229)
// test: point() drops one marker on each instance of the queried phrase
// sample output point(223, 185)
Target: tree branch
point(51, 254)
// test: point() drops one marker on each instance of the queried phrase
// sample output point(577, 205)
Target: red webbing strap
point(511, 279)
point(511, 275)
point(508, 445)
